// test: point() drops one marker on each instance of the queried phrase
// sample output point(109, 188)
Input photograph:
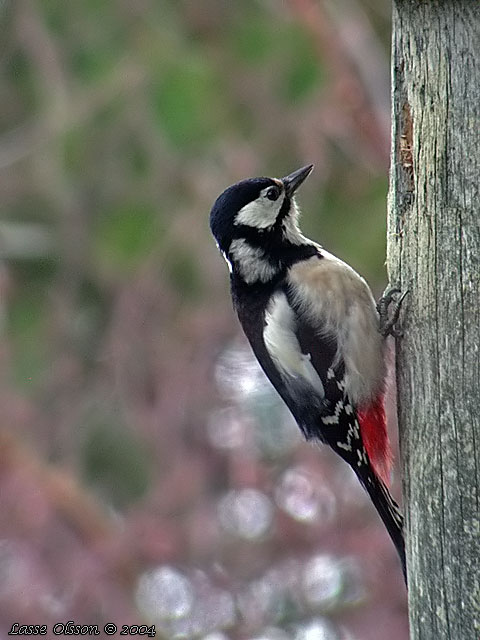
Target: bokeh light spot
point(246, 513)
point(297, 495)
point(317, 629)
point(322, 581)
point(227, 428)
point(164, 593)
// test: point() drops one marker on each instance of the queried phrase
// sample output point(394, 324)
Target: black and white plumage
point(313, 325)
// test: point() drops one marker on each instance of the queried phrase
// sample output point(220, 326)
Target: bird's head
point(254, 222)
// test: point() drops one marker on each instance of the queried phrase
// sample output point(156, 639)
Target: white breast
point(283, 346)
point(337, 301)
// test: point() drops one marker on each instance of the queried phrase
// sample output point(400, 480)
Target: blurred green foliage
point(116, 463)
point(188, 102)
point(131, 111)
point(120, 123)
point(124, 237)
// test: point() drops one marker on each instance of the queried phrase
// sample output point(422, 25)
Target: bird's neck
point(256, 264)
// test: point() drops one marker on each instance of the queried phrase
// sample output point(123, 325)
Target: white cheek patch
point(283, 346)
point(261, 213)
point(251, 262)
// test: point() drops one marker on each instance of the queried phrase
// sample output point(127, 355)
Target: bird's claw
point(388, 320)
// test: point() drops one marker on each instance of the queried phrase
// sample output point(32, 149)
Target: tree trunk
point(434, 251)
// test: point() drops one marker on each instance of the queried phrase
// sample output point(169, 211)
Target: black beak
point(295, 179)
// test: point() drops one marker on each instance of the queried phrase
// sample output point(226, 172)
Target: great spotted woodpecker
point(313, 325)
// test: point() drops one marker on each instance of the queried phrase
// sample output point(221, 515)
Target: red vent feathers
point(373, 427)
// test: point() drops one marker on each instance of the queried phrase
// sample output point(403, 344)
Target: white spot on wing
point(283, 346)
point(335, 416)
point(361, 458)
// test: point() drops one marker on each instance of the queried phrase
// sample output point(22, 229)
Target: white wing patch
point(283, 346)
point(260, 213)
point(334, 418)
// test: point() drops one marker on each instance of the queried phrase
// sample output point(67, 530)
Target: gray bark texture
point(434, 251)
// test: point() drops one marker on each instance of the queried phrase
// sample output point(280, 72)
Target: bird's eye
point(273, 193)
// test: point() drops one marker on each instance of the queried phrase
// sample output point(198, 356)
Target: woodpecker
point(314, 327)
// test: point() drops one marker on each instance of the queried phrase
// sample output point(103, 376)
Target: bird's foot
point(388, 308)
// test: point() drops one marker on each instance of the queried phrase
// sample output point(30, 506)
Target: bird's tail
point(388, 511)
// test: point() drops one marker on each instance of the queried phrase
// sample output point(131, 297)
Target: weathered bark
point(434, 251)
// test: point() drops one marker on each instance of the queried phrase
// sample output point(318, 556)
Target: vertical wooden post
point(434, 251)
